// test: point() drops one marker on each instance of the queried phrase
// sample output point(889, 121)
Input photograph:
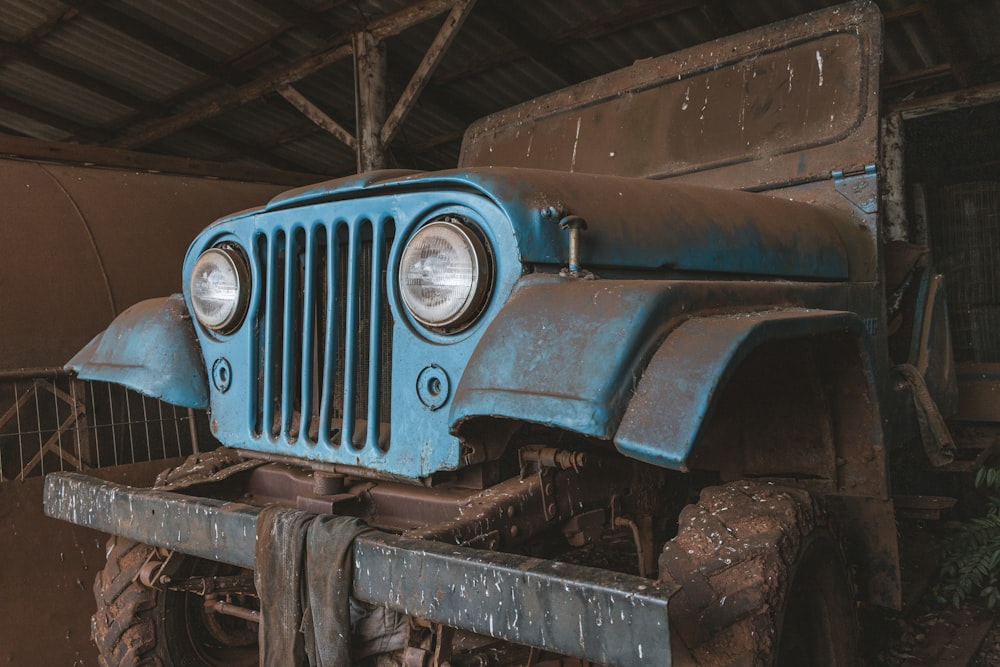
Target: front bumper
point(604, 617)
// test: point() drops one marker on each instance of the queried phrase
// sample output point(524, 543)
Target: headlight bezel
point(484, 275)
point(235, 258)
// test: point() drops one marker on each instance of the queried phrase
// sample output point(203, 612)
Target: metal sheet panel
point(787, 103)
point(82, 244)
point(685, 375)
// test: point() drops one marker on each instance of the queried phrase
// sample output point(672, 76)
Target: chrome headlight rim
point(233, 257)
point(483, 274)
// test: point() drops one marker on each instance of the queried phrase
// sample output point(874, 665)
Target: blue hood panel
point(633, 223)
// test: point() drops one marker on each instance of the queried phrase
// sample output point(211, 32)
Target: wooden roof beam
point(58, 151)
point(425, 70)
point(382, 28)
point(317, 116)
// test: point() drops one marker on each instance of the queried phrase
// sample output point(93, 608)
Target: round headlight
point(445, 274)
point(220, 289)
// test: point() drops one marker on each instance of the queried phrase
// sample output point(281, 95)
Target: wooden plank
point(55, 151)
point(961, 99)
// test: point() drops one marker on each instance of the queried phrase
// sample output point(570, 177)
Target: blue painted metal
point(663, 227)
point(635, 223)
point(861, 188)
point(564, 352)
point(152, 348)
point(598, 615)
point(684, 377)
point(302, 357)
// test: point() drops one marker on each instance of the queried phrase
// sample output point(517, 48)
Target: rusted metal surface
point(786, 103)
point(502, 517)
point(46, 571)
point(83, 244)
point(978, 392)
point(696, 360)
point(867, 527)
point(606, 617)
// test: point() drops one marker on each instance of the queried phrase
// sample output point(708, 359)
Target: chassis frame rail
point(605, 617)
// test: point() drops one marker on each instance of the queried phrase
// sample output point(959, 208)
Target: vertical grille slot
point(324, 341)
point(273, 332)
point(313, 328)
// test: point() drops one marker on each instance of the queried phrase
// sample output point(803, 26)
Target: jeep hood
point(631, 223)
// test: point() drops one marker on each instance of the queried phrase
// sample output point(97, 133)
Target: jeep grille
point(323, 342)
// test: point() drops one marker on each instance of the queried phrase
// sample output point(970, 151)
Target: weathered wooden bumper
point(604, 617)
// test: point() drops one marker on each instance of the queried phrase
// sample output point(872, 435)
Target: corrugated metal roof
point(98, 72)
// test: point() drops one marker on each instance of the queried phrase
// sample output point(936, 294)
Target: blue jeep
point(618, 390)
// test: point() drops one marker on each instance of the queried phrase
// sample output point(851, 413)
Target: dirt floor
point(928, 632)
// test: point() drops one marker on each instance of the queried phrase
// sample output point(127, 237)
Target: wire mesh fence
point(51, 421)
point(965, 236)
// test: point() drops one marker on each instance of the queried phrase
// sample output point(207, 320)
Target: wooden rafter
point(432, 58)
point(381, 28)
point(57, 151)
point(317, 116)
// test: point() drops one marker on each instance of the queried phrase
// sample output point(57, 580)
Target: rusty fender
point(601, 616)
point(683, 379)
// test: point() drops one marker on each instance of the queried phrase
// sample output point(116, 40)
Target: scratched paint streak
point(576, 142)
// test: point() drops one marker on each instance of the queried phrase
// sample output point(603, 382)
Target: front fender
point(152, 348)
point(683, 379)
point(563, 353)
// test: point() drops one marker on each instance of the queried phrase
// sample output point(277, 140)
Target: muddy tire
point(763, 581)
point(136, 625)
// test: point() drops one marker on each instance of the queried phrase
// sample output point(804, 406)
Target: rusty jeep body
point(616, 390)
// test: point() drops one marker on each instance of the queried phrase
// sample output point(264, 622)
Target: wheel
point(136, 625)
point(763, 581)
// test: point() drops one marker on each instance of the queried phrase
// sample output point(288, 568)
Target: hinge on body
point(859, 186)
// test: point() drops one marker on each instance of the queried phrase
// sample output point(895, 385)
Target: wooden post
point(895, 190)
point(369, 76)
